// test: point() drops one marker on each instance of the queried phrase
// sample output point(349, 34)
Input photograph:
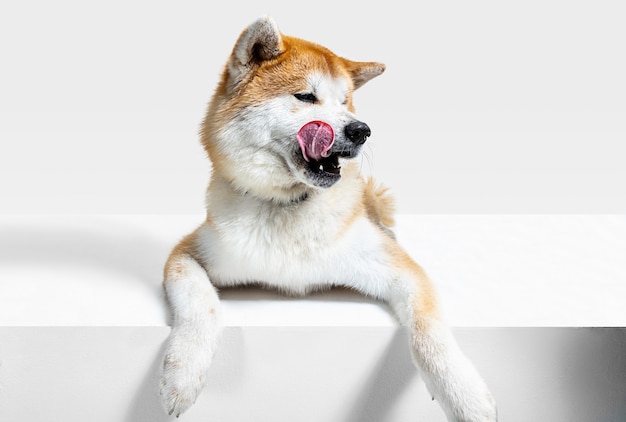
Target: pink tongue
point(315, 139)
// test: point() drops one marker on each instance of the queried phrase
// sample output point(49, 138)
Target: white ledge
point(490, 270)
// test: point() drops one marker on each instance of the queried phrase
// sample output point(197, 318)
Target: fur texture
point(275, 218)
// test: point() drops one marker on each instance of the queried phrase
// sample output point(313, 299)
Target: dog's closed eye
point(306, 97)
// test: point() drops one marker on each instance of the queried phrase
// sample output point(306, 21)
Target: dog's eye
point(306, 97)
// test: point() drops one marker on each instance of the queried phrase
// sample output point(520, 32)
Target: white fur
point(196, 330)
point(258, 231)
point(264, 136)
point(332, 92)
point(295, 249)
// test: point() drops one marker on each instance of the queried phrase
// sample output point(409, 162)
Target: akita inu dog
point(287, 208)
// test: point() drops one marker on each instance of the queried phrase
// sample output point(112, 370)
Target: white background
point(486, 106)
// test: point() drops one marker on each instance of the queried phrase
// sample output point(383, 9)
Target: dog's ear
point(258, 42)
point(362, 72)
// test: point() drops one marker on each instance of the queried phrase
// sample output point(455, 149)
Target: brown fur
point(186, 247)
point(379, 203)
point(425, 304)
point(285, 73)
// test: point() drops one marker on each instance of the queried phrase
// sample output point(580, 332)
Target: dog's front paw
point(184, 372)
point(483, 411)
point(478, 406)
point(180, 386)
point(464, 395)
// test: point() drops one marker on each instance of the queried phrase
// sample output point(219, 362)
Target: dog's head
point(282, 119)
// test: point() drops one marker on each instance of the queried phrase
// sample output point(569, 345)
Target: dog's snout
point(357, 132)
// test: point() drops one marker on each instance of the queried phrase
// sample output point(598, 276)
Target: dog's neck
point(302, 198)
point(279, 201)
point(295, 196)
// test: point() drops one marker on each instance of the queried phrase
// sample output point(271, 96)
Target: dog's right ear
point(258, 42)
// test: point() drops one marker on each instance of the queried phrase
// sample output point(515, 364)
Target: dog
point(287, 207)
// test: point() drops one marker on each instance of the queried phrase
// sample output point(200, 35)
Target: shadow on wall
point(146, 404)
point(598, 377)
point(110, 246)
point(552, 373)
point(387, 381)
point(91, 243)
point(106, 246)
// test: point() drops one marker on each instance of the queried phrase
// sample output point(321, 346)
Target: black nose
point(357, 132)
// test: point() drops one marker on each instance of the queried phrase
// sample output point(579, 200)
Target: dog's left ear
point(258, 42)
point(362, 72)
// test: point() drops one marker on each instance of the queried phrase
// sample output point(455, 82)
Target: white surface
point(490, 270)
point(486, 106)
point(83, 325)
point(282, 374)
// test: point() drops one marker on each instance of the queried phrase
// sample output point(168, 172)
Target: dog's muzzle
point(320, 150)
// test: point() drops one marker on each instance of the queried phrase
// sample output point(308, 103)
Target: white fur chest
point(292, 247)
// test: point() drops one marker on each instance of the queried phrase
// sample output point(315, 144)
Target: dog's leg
point(449, 375)
point(195, 331)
